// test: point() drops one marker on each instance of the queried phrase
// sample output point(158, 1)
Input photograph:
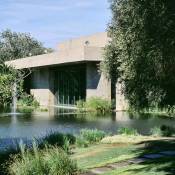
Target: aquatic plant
point(162, 131)
point(5, 158)
point(28, 100)
point(127, 131)
point(81, 142)
point(50, 161)
point(95, 104)
point(89, 136)
point(57, 139)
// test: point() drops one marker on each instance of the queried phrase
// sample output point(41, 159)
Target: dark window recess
point(70, 84)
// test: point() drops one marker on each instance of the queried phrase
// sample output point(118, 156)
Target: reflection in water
point(34, 124)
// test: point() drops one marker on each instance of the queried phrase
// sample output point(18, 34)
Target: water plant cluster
point(27, 100)
point(89, 136)
point(161, 131)
point(50, 161)
point(95, 104)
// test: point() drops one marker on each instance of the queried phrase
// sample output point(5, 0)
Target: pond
point(37, 124)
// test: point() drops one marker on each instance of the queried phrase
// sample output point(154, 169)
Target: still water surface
point(37, 124)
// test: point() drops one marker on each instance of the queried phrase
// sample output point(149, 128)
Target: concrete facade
point(79, 50)
point(85, 50)
point(42, 86)
point(97, 85)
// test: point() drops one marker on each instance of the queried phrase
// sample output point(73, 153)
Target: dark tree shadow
point(164, 165)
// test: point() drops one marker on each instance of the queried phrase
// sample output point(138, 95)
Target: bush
point(92, 136)
point(96, 104)
point(58, 139)
point(50, 161)
point(156, 131)
point(81, 105)
point(5, 157)
point(81, 142)
point(127, 131)
point(162, 131)
point(28, 100)
point(8, 76)
point(167, 131)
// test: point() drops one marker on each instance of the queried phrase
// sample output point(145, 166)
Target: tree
point(15, 45)
point(8, 76)
point(142, 48)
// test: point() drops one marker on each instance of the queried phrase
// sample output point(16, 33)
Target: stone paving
point(139, 160)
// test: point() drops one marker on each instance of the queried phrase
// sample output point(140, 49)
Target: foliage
point(5, 158)
point(156, 131)
point(81, 105)
point(92, 135)
point(51, 161)
point(27, 100)
point(15, 45)
point(58, 139)
point(96, 104)
point(8, 76)
point(164, 131)
point(127, 131)
point(81, 142)
point(141, 51)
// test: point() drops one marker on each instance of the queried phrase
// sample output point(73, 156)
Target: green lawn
point(163, 166)
point(102, 154)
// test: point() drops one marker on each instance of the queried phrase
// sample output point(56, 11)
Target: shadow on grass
point(5, 158)
point(162, 166)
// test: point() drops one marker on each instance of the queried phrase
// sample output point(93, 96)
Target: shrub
point(28, 100)
point(156, 131)
point(81, 105)
point(81, 142)
point(127, 131)
point(96, 104)
point(5, 157)
point(50, 161)
point(57, 139)
point(92, 136)
point(162, 131)
point(8, 76)
point(167, 131)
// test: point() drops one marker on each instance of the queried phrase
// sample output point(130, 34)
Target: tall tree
point(15, 45)
point(9, 76)
point(142, 51)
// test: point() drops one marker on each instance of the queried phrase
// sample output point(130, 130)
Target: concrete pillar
point(42, 88)
point(96, 83)
point(121, 102)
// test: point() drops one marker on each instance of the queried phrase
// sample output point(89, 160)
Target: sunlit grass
point(101, 154)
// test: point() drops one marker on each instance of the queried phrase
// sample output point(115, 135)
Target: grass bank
point(94, 149)
point(104, 154)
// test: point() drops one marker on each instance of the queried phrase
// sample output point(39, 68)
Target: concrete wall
point(97, 85)
point(42, 88)
point(43, 85)
point(96, 40)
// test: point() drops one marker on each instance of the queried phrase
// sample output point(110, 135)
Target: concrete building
point(69, 74)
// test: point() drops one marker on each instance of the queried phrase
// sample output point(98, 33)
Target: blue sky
point(52, 21)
